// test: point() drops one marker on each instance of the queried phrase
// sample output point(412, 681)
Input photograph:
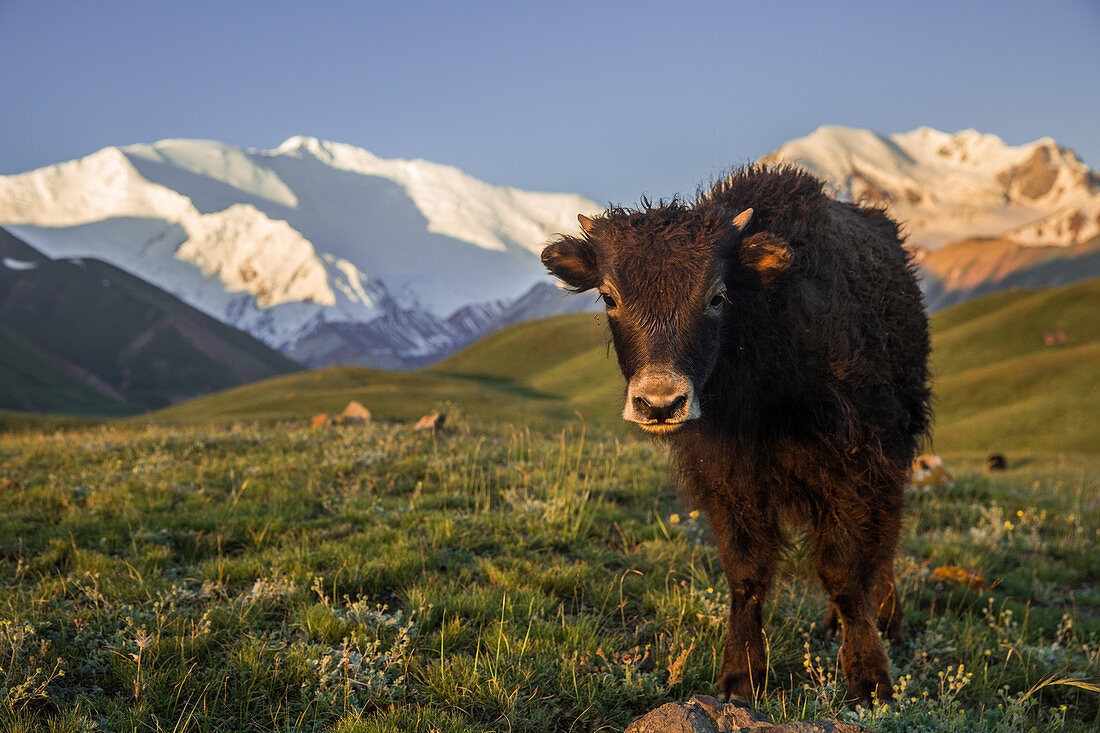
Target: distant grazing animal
point(1054, 338)
point(777, 339)
point(996, 462)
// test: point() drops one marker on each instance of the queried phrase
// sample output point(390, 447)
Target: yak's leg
point(831, 622)
point(749, 561)
point(887, 604)
point(846, 562)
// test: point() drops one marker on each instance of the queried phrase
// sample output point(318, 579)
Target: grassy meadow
point(221, 566)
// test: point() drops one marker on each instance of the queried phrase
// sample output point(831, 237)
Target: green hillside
point(999, 387)
point(539, 372)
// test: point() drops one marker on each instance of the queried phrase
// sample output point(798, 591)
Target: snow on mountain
point(951, 187)
point(333, 255)
point(284, 242)
point(455, 204)
point(13, 264)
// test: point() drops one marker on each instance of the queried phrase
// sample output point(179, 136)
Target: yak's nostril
point(660, 399)
point(659, 407)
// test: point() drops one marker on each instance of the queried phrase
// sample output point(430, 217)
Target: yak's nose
point(660, 397)
point(659, 406)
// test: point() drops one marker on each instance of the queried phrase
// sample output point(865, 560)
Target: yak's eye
point(717, 300)
point(607, 300)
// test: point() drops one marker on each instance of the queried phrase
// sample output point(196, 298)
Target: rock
point(929, 476)
point(433, 422)
point(354, 413)
point(320, 421)
point(701, 714)
point(968, 577)
point(704, 714)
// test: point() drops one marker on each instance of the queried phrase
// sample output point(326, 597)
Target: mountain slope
point(973, 267)
point(301, 245)
point(123, 338)
point(999, 386)
point(34, 381)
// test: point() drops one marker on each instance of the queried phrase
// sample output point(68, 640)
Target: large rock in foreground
point(704, 714)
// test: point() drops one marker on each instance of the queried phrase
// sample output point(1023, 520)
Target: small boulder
point(704, 714)
point(320, 421)
point(433, 422)
point(355, 413)
point(959, 576)
point(928, 476)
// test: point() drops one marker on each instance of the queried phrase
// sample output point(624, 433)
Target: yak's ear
point(742, 220)
point(573, 261)
point(586, 224)
point(766, 253)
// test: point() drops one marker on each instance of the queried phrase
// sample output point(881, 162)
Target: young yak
point(777, 339)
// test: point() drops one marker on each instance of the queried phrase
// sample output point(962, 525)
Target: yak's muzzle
point(660, 400)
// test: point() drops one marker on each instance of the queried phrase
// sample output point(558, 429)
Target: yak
point(776, 338)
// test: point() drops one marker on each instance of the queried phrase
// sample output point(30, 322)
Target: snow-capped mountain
point(307, 244)
point(334, 255)
point(947, 188)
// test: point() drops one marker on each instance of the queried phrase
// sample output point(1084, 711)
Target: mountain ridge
point(332, 254)
point(279, 243)
point(950, 187)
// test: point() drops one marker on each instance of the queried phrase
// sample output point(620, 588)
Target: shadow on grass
point(502, 384)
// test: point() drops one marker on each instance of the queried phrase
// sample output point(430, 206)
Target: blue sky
point(608, 99)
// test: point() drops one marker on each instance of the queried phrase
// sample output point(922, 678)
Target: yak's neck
point(731, 401)
point(752, 376)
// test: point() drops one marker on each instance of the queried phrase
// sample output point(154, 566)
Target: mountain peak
point(950, 186)
point(295, 142)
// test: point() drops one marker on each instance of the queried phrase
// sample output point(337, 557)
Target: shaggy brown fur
point(785, 361)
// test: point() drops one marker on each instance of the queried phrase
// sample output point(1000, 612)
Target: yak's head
point(671, 278)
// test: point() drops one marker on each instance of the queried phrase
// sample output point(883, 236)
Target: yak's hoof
point(895, 636)
point(737, 687)
point(725, 697)
point(860, 693)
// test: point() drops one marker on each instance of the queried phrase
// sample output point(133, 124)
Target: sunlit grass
point(373, 579)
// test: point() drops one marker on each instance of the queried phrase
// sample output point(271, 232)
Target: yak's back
point(785, 200)
point(850, 304)
point(843, 254)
